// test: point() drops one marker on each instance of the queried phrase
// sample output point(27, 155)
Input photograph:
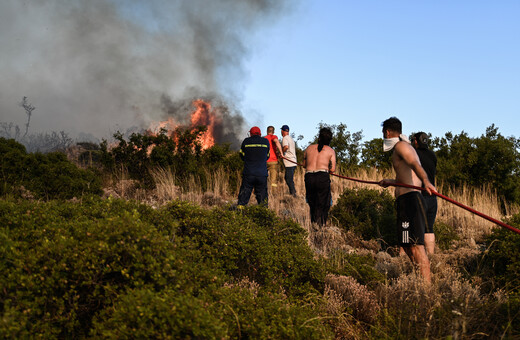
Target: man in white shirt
point(289, 154)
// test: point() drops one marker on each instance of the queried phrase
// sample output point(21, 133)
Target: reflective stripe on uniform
point(256, 146)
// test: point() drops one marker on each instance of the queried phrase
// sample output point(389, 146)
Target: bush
point(104, 267)
point(147, 314)
point(254, 243)
point(489, 159)
point(46, 176)
point(235, 311)
point(60, 272)
point(445, 234)
point(368, 213)
point(502, 257)
point(181, 152)
point(360, 267)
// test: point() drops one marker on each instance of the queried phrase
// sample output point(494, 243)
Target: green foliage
point(231, 311)
point(502, 257)
point(147, 314)
point(345, 143)
point(182, 152)
point(372, 155)
point(490, 159)
point(360, 267)
point(46, 176)
point(445, 234)
point(112, 269)
point(255, 244)
point(367, 212)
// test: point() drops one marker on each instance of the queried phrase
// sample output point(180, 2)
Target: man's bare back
point(404, 161)
point(408, 170)
point(319, 161)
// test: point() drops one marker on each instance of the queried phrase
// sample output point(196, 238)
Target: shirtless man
point(318, 160)
point(410, 206)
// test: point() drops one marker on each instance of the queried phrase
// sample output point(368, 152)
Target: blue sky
point(439, 66)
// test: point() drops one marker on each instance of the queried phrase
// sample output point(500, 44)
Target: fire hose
point(397, 184)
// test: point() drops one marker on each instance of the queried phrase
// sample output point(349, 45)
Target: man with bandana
point(429, 163)
point(410, 206)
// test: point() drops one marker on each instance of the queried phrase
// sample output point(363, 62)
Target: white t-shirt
point(291, 151)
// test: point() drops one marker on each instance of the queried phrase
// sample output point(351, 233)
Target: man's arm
point(241, 153)
point(278, 147)
point(332, 167)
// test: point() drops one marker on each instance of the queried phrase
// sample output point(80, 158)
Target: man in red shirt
point(275, 150)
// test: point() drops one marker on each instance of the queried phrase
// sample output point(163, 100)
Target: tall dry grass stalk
point(120, 185)
point(165, 187)
point(469, 226)
point(483, 199)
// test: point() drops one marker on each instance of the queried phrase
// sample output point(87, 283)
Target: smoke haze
point(101, 65)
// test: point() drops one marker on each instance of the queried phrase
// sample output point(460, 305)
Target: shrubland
point(43, 176)
point(113, 268)
point(164, 253)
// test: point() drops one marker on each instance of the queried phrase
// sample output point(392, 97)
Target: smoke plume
point(102, 65)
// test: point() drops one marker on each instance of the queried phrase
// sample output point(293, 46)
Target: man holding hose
point(410, 205)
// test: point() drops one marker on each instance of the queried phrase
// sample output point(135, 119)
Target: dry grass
point(471, 228)
point(469, 225)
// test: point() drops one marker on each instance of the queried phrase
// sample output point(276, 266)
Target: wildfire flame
point(202, 114)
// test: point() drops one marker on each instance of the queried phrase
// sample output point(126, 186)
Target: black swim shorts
point(411, 219)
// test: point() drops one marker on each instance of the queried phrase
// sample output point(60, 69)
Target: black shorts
point(411, 219)
point(431, 211)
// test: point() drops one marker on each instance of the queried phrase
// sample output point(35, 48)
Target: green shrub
point(445, 234)
point(367, 212)
point(147, 314)
point(72, 270)
point(502, 257)
point(181, 152)
point(45, 176)
point(232, 311)
point(253, 243)
point(60, 271)
point(253, 313)
point(360, 267)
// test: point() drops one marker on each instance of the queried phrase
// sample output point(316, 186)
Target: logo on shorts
point(405, 235)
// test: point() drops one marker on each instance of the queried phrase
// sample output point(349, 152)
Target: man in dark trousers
point(289, 154)
point(429, 163)
point(318, 160)
point(254, 151)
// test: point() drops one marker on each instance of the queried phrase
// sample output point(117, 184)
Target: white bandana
point(389, 143)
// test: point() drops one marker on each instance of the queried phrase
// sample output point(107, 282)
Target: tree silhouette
point(29, 108)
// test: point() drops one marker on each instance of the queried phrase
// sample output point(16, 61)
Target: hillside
point(179, 261)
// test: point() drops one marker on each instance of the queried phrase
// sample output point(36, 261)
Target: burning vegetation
point(202, 115)
point(222, 124)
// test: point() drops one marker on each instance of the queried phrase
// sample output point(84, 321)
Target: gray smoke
point(98, 66)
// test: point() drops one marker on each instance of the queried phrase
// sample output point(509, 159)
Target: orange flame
point(202, 115)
